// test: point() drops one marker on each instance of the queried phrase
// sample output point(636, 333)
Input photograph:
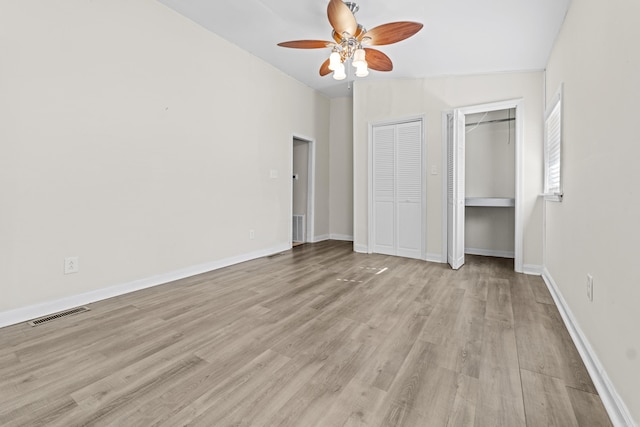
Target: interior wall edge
point(532, 269)
point(361, 249)
point(342, 237)
point(19, 315)
point(613, 403)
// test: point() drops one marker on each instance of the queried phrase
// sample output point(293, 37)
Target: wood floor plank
point(463, 411)
point(356, 405)
point(544, 344)
point(546, 401)
point(588, 408)
point(423, 393)
point(499, 305)
point(272, 395)
point(312, 401)
point(381, 370)
point(540, 291)
point(315, 336)
point(500, 400)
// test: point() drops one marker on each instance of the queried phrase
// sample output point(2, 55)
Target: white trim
point(23, 314)
point(532, 269)
point(444, 174)
point(361, 249)
point(436, 258)
point(343, 237)
point(614, 405)
point(489, 252)
point(320, 238)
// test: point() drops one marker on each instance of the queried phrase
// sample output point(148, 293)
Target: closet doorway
point(302, 188)
point(484, 182)
point(397, 191)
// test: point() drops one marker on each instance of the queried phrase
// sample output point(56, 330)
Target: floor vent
point(298, 234)
point(49, 318)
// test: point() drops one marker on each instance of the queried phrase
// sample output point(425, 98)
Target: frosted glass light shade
point(339, 73)
point(362, 71)
point(334, 61)
point(358, 58)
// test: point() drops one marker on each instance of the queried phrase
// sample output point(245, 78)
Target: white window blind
point(553, 149)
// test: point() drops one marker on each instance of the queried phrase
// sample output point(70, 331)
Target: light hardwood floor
point(316, 336)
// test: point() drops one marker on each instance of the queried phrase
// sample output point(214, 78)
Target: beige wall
point(595, 228)
point(376, 101)
point(126, 142)
point(341, 167)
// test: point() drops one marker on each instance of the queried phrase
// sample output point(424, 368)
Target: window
point(553, 149)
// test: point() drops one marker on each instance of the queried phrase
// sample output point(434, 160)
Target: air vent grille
point(49, 318)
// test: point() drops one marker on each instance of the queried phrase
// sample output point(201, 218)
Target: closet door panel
point(409, 189)
point(384, 236)
point(409, 238)
point(457, 207)
point(451, 235)
point(384, 189)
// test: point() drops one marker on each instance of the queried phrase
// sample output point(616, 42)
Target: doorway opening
point(484, 185)
point(302, 189)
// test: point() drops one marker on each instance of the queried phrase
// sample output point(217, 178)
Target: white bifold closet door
point(398, 190)
point(455, 190)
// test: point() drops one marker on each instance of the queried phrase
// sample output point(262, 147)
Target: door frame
point(311, 184)
point(518, 105)
point(370, 125)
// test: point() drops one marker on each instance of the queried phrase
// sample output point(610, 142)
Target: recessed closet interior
point(490, 183)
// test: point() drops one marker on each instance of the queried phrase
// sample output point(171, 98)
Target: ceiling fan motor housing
point(353, 7)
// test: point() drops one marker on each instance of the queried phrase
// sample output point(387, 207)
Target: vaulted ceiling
point(459, 36)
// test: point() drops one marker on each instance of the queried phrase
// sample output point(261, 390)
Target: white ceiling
point(459, 36)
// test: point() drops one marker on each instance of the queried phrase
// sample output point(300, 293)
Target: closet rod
point(490, 121)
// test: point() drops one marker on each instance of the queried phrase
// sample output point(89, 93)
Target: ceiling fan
point(350, 38)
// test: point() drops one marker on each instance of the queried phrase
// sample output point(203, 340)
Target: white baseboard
point(361, 249)
point(320, 238)
point(489, 252)
point(343, 237)
point(532, 269)
point(23, 314)
point(436, 258)
point(614, 405)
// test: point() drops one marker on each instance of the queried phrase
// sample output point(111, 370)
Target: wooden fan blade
point(324, 68)
point(306, 44)
point(377, 60)
point(392, 32)
point(341, 18)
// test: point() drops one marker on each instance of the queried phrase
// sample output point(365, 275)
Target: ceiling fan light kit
point(350, 39)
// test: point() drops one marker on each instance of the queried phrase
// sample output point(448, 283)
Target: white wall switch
point(590, 287)
point(273, 173)
point(434, 170)
point(252, 234)
point(71, 265)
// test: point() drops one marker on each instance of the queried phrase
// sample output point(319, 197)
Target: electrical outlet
point(71, 265)
point(252, 234)
point(590, 287)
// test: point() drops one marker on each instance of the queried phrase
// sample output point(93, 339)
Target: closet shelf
point(495, 202)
